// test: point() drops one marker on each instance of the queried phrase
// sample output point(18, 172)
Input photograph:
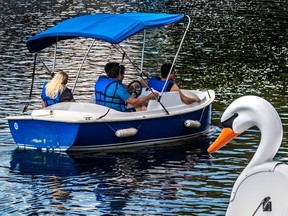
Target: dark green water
point(234, 47)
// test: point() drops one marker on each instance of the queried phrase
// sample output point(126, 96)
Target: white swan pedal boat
point(262, 187)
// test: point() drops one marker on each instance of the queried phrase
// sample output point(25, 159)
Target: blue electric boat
point(79, 126)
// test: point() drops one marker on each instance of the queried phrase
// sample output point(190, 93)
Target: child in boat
point(56, 91)
point(158, 83)
point(111, 92)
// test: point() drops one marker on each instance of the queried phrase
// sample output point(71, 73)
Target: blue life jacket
point(157, 84)
point(48, 101)
point(101, 96)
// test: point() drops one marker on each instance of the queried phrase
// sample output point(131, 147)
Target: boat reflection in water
point(110, 182)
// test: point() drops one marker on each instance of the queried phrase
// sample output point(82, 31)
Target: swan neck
point(271, 138)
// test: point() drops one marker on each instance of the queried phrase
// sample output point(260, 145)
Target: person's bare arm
point(140, 101)
point(188, 100)
point(184, 98)
point(43, 104)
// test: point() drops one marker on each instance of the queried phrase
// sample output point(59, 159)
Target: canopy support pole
point(121, 50)
point(41, 60)
point(143, 50)
point(82, 65)
point(54, 60)
point(141, 72)
point(32, 83)
point(173, 63)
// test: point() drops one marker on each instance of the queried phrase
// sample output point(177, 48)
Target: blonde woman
point(56, 91)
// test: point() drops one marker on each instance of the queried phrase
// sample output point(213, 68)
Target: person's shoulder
point(102, 77)
point(174, 87)
point(156, 77)
point(66, 90)
point(122, 85)
point(66, 95)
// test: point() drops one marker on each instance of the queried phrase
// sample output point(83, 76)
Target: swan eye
point(228, 123)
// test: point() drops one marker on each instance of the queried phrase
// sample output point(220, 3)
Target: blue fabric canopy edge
point(112, 28)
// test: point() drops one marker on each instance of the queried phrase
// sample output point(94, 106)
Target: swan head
point(244, 113)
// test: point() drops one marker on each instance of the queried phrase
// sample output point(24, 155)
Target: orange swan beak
point(226, 135)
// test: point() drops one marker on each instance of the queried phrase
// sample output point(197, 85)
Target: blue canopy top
point(112, 28)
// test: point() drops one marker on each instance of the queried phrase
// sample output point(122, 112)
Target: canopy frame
point(56, 38)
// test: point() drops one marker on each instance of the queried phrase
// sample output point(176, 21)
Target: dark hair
point(113, 69)
point(165, 69)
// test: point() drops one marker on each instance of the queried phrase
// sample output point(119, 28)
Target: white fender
point(126, 132)
point(192, 124)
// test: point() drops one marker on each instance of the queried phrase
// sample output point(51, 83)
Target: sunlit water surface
point(234, 47)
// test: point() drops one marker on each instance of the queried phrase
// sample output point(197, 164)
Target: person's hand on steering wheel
point(135, 88)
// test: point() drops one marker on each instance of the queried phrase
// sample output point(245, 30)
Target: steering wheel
point(137, 90)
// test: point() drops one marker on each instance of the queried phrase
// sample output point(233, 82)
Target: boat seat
point(168, 99)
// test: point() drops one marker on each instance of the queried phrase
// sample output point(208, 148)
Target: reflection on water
point(137, 180)
point(233, 47)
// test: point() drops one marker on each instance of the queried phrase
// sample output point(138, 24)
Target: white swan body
point(262, 187)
